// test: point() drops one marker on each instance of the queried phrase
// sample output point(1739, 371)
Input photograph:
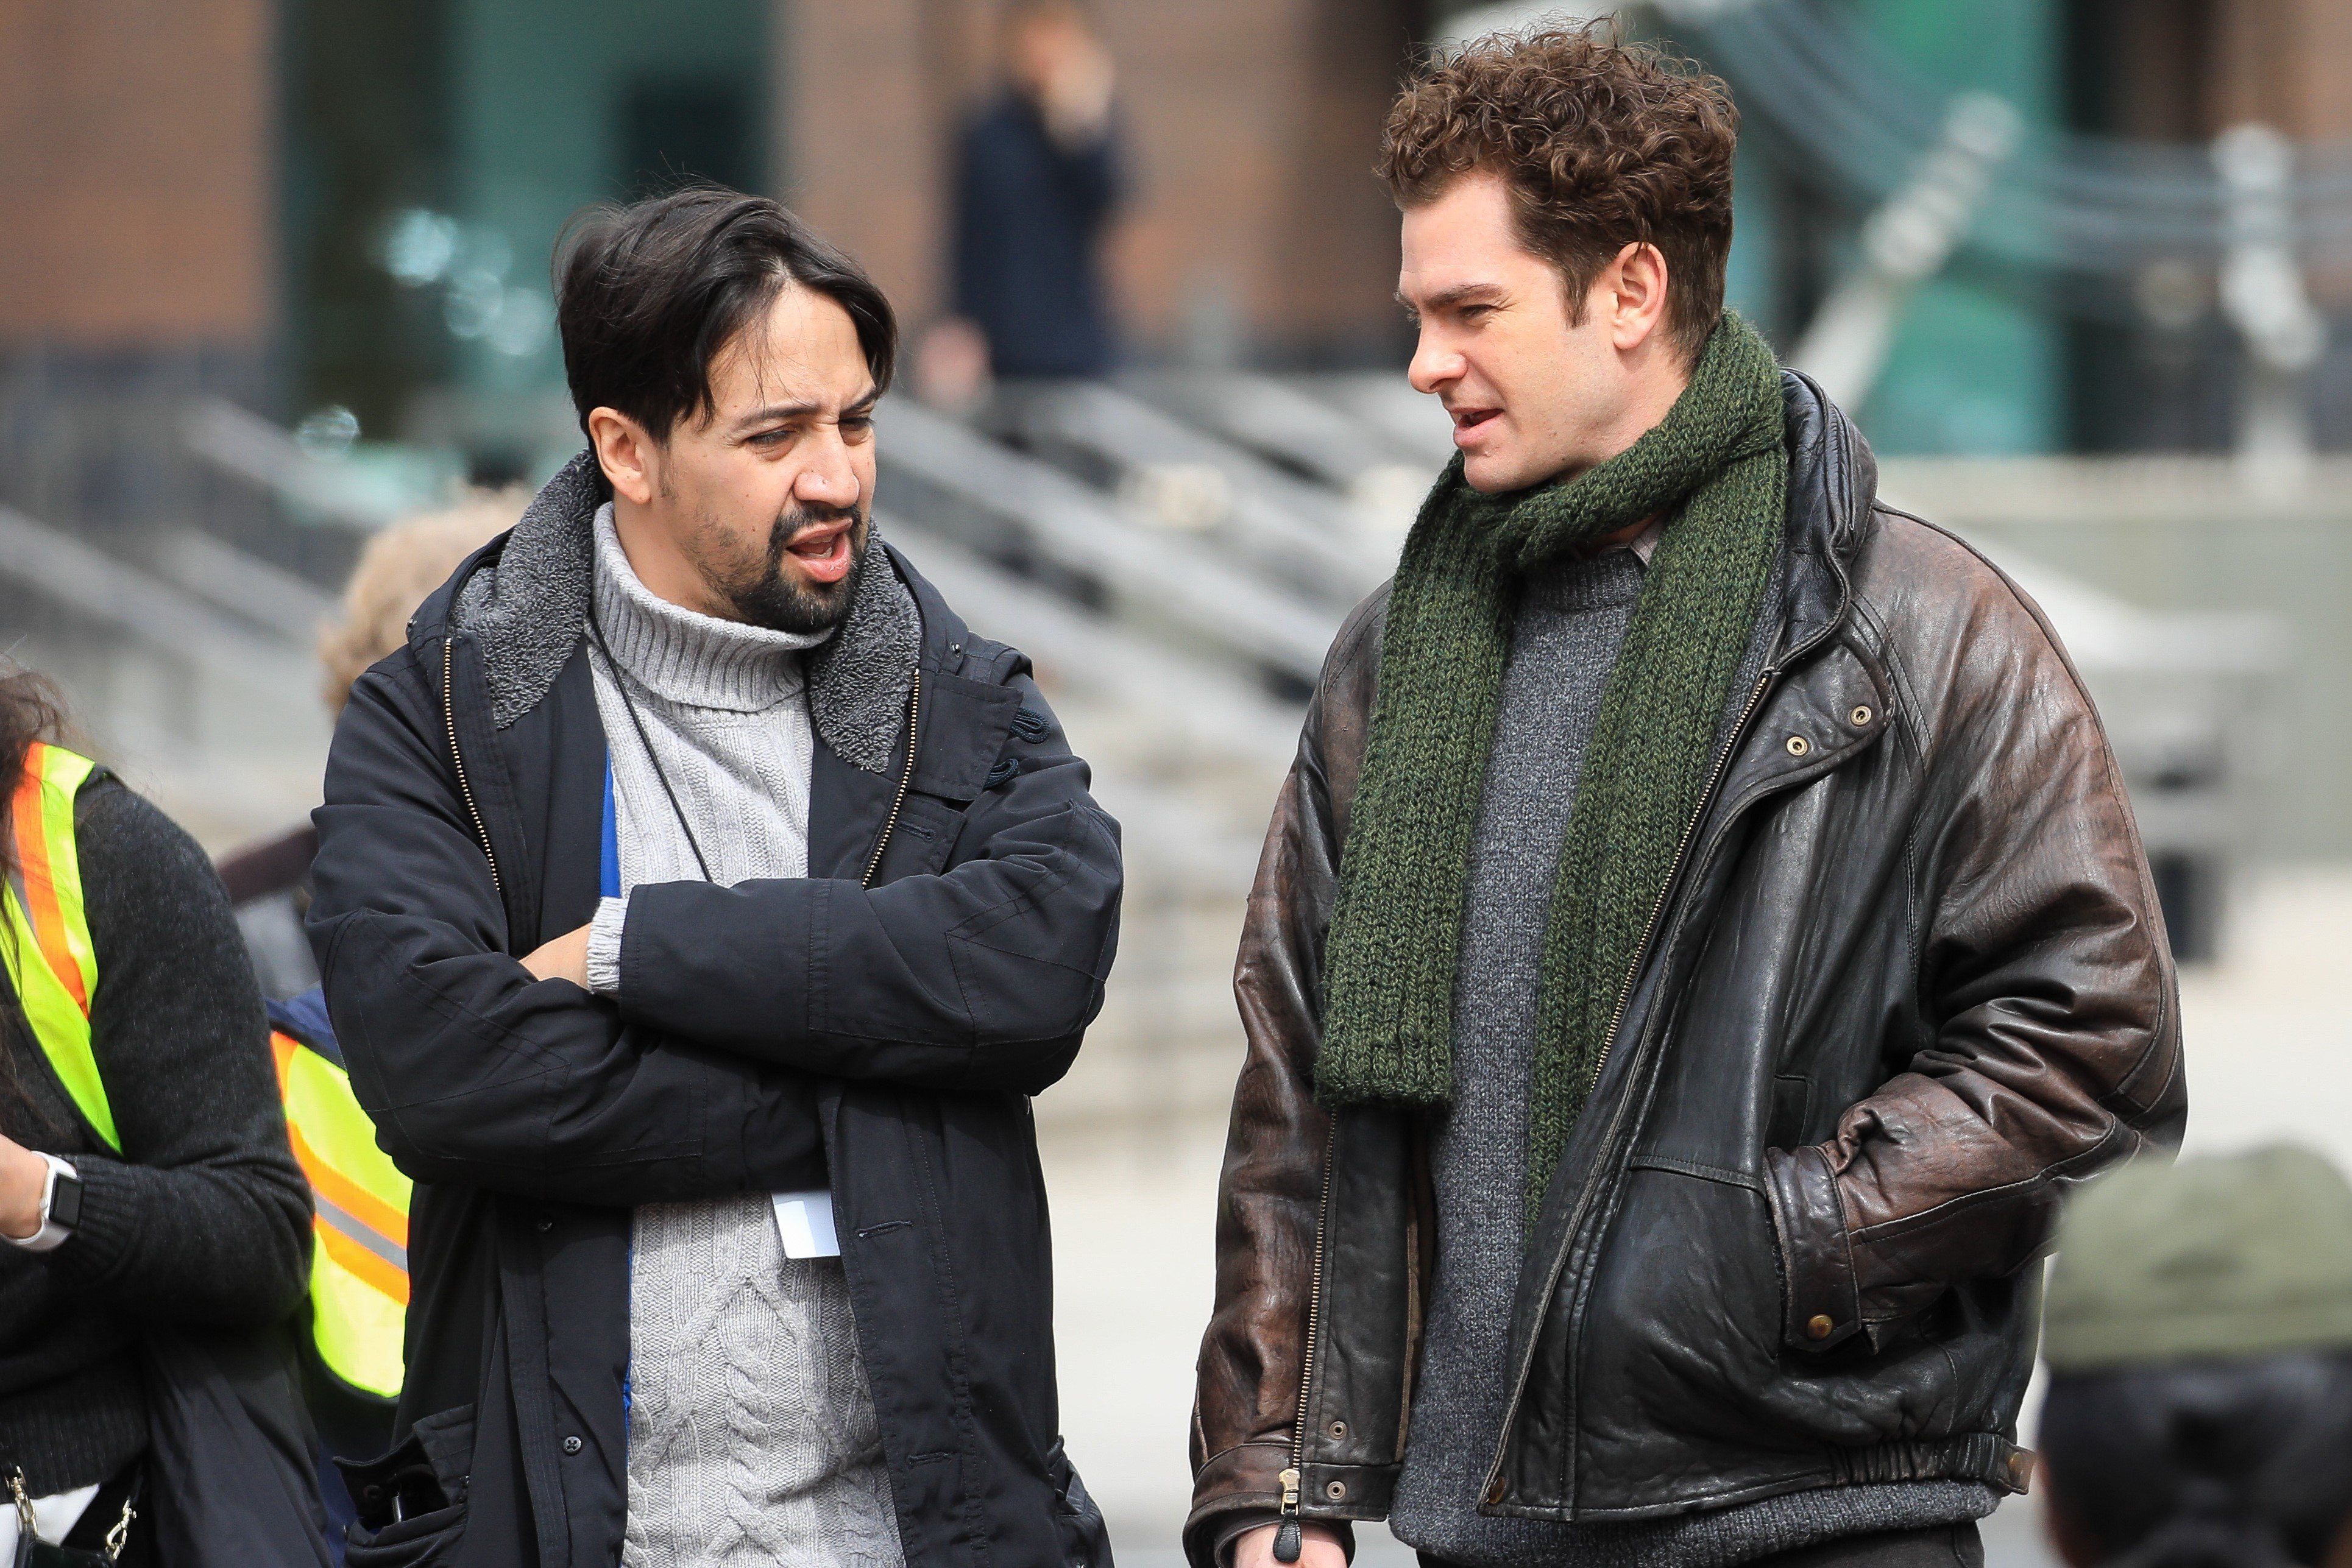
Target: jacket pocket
point(1686, 1325)
point(412, 1501)
point(1085, 1538)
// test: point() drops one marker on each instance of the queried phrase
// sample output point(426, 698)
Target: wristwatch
point(60, 1209)
point(61, 1203)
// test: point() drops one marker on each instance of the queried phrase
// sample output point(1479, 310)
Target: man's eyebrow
point(776, 411)
point(1459, 294)
point(803, 409)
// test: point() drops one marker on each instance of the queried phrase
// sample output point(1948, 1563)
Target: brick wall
point(137, 175)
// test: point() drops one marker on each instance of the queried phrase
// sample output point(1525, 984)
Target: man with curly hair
point(1701, 939)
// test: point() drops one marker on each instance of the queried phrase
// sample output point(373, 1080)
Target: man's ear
point(1636, 299)
point(626, 454)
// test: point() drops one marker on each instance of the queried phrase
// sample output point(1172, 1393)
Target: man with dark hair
point(698, 902)
point(1702, 935)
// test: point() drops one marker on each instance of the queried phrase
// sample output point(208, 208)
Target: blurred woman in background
point(2200, 1342)
point(355, 1323)
point(145, 1181)
point(270, 881)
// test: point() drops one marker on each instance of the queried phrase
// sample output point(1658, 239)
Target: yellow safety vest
point(359, 1265)
point(359, 1268)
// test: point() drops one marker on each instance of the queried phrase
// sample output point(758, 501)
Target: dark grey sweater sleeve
point(205, 1218)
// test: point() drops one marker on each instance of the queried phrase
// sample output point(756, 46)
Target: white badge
point(805, 1224)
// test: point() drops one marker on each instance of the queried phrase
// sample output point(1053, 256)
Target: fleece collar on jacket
point(527, 605)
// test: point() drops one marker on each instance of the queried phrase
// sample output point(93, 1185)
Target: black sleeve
point(1090, 177)
point(969, 271)
point(205, 1216)
point(477, 1074)
point(983, 977)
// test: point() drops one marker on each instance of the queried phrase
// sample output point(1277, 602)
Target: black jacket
point(1908, 984)
point(1029, 221)
point(774, 1035)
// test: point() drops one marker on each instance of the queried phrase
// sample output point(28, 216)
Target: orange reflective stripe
point(40, 880)
point(348, 1195)
point(282, 1047)
point(361, 1263)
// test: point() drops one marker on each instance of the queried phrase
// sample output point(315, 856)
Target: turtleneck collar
point(683, 656)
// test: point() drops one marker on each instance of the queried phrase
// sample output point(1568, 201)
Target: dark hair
point(1604, 144)
point(2223, 1464)
point(31, 709)
point(648, 295)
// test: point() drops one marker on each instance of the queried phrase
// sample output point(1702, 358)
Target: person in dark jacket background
point(1037, 182)
point(698, 901)
point(268, 886)
point(187, 1210)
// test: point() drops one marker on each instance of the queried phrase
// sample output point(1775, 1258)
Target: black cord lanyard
point(621, 684)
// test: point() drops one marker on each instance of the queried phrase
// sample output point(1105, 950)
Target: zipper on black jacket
point(1288, 1538)
point(449, 715)
point(906, 779)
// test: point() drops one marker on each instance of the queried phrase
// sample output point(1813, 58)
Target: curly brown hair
point(1604, 143)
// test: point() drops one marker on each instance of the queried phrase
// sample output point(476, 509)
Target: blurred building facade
point(337, 216)
point(220, 187)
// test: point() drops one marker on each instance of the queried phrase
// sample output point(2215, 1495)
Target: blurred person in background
point(2200, 1340)
point(1701, 938)
point(698, 902)
point(269, 882)
point(352, 1340)
point(145, 1183)
point(1037, 182)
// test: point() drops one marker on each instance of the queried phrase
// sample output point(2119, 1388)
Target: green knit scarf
point(1716, 468)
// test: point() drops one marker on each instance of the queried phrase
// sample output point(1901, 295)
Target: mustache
point(791, 525)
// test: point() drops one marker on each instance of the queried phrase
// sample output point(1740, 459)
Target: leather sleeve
point(1270, 1192)
point(2047, 1042)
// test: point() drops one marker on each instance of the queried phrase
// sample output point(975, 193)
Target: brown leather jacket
point(1908, 986)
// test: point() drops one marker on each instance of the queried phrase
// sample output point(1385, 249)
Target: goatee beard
point(780, 602)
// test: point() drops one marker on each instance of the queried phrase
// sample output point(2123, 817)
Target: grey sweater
point(753, 1437)
point(1573, 620)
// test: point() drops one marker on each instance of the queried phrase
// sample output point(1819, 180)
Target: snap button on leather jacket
point(1909, 985)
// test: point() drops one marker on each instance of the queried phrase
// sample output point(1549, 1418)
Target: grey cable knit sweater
point(753, 1437)
point(1572, 618)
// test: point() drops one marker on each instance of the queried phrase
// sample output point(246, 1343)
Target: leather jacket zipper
point(1288, 1541)
point(1673, 869)
point(1494, 1490)
point(906, 780)
point(449, 713)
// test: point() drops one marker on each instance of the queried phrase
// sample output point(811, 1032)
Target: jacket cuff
point(1232, 1527)
point(1241, 1480)
point(605, 934)
point(1820, 1305)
